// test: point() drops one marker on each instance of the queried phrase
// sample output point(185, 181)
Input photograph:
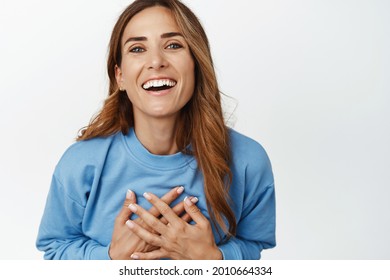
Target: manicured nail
point(134, 256)
point(133, 208)
point(194, 199)
point(180, 189)
point(187, 201)
point(130, 224)
point(129, 194)
point(147, 196)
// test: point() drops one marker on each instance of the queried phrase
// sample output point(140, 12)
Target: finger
point(168, 198)
point(162, 207)
point(153, 255)
point(154, 223)
point(144, 234)
point(179, 209)
point(125, 212)
point(194, 211)
point(186, 218)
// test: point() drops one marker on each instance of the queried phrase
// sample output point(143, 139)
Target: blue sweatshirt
point(90, 181)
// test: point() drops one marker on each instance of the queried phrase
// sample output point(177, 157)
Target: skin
point(177, 239)
point(149, 53)
point(124, 242)
point(152, 47)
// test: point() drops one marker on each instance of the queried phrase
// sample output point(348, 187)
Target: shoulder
point(249, 155)
point(246, 148)
point(81, 166)
point(84, 155)
point(87, 150)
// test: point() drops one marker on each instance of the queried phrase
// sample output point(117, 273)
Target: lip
point(159, 92)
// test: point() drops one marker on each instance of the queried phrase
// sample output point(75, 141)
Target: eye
point(137, 50)
point(174, 46)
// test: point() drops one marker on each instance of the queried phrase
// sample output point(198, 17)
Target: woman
point(160, 138)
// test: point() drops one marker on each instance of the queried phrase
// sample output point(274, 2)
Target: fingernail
point(133, 208)
point(130, 224)
point(129, 194)
point(194, 199)
point(187, 201)
point(180, 189)
point(147, 196)
point(134, 257)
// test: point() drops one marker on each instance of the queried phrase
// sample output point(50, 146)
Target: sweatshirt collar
point(144, 157)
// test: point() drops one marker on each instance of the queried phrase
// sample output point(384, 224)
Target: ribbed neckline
point(144, 157)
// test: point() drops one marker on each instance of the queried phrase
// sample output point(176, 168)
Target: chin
point(160, 113)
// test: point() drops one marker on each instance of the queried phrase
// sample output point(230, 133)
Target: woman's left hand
point(177, 239)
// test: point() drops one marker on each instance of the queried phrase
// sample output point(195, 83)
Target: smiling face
point(157, 69)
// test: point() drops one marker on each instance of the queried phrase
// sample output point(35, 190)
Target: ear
point(118, 76)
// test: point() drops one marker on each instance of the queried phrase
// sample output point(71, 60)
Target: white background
point(309, 80)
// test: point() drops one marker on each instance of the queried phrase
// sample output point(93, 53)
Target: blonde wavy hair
point(201, 123)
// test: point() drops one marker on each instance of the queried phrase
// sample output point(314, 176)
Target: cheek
point(131, 72)
point(190, 74)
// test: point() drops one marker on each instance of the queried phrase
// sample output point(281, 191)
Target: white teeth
point(158, 83)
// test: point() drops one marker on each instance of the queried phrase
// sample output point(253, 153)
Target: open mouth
point(157, 85)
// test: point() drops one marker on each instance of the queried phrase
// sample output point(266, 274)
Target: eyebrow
point(163, 36)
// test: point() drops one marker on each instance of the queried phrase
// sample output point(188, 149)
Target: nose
point(156, 60)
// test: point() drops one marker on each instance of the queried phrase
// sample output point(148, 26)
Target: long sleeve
point(256, 231)
point(60, 234)
point(253, 196)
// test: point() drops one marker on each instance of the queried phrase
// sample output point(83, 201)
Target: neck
point(157, 136)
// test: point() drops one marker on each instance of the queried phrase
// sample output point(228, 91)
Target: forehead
point(153, 20)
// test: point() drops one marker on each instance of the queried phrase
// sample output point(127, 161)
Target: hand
point(177, 239)
point(123, 241)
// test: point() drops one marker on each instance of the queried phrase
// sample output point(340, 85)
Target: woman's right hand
point(123, 241)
